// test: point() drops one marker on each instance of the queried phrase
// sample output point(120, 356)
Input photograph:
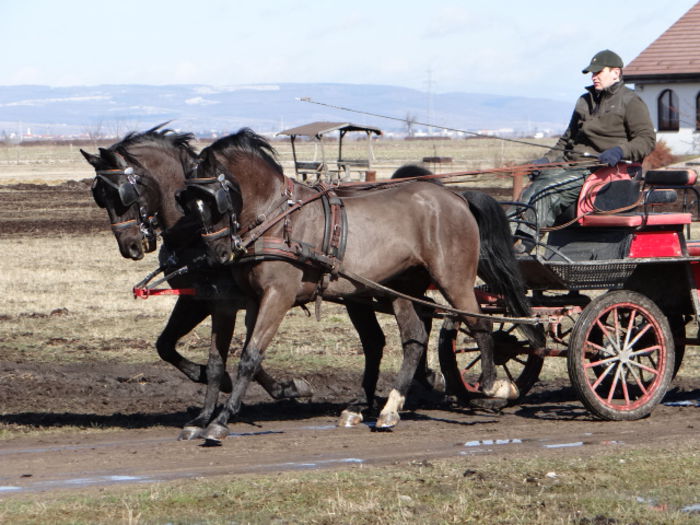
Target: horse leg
point(223, 319)
point(414, 342)
point(187, 314)
point(294, 388)
point(372, 339)
point(266, 320)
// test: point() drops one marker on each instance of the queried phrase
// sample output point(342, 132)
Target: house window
point(668, 111)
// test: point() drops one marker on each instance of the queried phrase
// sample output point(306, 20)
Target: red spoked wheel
point(460, 360)
point(621, 356)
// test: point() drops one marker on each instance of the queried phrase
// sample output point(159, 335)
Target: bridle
point(131, 195)
point(226, 196)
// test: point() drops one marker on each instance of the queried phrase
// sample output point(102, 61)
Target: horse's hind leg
point(414, 340)
point(372, 339)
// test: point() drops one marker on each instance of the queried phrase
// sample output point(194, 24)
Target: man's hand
point(536, 173)
point(611, 156)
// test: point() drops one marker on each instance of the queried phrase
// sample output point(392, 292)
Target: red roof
point(676, 53)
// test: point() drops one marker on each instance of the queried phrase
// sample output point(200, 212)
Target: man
point(610, 123)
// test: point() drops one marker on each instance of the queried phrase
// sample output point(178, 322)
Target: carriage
point(616, 286)
point(613, 288)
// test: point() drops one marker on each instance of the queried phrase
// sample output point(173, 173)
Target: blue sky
point(518, 47)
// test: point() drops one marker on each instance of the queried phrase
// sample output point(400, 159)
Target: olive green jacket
point(615, 116)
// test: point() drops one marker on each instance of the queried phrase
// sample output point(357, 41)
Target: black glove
point(611, 156)
point(536, 173)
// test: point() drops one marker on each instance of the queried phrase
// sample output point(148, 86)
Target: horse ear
point(92, 159)
point(111, 158)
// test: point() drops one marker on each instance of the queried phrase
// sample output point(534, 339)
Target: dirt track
point(150, 403)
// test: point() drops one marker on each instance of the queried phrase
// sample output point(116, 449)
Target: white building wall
point(685, 141)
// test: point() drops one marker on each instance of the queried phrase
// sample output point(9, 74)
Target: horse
point(404, 236)
point(136, 181)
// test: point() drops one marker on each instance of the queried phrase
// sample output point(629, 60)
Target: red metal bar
point(145, 293)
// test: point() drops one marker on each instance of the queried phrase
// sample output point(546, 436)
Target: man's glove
point(611, 156)
point(536, 173)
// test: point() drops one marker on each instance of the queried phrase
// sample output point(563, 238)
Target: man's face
point(605, 78)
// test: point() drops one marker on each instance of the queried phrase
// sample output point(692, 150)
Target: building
point(666, 76)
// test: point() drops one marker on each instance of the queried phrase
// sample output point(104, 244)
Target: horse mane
point(245, 141)
point(165, 138)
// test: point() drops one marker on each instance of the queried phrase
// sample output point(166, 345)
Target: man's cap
point(602, 59)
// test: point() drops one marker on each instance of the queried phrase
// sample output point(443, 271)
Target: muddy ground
point(146, 405)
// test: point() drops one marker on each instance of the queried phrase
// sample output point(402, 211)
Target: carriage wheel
point(460, 360)
point(621, 356)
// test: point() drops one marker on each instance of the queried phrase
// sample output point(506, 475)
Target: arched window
point(697, 112)
point(668, 111)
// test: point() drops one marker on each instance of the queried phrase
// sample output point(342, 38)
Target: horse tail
point(498, 266)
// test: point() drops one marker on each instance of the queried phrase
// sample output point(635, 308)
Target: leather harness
point(328, 259)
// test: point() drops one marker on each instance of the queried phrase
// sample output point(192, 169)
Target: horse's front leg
point(187, 314)
point(223, 319)
point(262, 324)
point(414, 341)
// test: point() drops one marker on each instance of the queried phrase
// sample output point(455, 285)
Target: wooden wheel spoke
point(601, 362)
point(653, 371)
point(613, 387)
point(638, 380)
point(646, 351)
point(602, 376)
point(472, 363)
point(641, 332)
point(606, 332)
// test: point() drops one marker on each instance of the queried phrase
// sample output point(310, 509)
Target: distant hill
point(116, 109)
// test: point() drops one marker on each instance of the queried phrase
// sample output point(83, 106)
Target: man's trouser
point(552, 192)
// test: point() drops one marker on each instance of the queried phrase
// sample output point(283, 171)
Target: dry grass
point(51, 163)
point(641, 486)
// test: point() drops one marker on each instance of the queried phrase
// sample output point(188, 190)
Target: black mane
point(167, 138)
point(244, 141)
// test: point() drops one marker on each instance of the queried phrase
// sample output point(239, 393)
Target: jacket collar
point(607, 91)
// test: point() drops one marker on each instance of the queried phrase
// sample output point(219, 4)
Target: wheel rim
point(624, 356)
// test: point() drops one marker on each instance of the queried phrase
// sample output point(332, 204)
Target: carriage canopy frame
point(320, 168)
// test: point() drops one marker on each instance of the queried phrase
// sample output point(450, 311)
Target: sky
point(505, 47)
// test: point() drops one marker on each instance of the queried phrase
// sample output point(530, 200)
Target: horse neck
point(165, 170)
point(262, 187)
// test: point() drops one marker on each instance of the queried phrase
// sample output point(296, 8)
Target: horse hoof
point(503, 389)
point(188, 433)
point(215, 433)
point(387, 421)
point(349, 419)
point(302, 387)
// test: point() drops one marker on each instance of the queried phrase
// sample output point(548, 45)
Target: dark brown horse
point(136, 182)
point(405, 237)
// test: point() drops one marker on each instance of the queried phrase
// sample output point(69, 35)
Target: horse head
point(136, 180)
point(213, 197)
point(236, 169)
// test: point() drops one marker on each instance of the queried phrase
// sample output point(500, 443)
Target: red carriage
point(616, 287)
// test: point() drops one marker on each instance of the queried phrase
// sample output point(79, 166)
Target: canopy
point(317, 129)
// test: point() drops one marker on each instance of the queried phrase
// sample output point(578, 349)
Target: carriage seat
point(611, 189)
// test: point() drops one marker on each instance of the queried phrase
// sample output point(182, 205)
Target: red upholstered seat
point(636, 219)
point(603, 178)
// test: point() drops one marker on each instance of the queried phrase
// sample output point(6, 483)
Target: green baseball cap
point(605, 58)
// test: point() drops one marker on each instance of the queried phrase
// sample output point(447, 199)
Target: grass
point(611, 486)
